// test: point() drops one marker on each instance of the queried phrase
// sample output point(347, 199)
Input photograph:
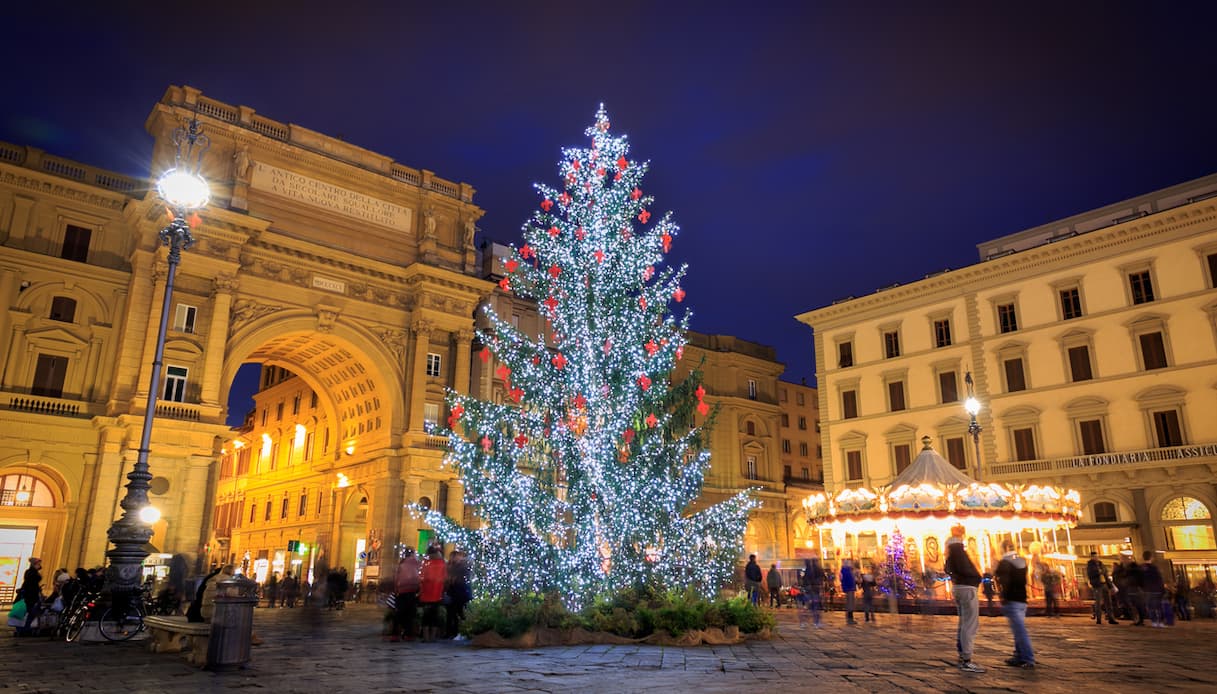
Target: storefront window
point(1179, 517)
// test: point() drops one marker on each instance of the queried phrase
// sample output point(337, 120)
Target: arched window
point(1105, 512)
point(750, 428)
point(1188, 524)
point(25, 491)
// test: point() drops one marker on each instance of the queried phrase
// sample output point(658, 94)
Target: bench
point(176, 635)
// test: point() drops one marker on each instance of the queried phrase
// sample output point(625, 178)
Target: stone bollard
point(232, 625)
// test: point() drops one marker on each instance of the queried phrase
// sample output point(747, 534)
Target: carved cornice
point(111, 201)
point(246, 310)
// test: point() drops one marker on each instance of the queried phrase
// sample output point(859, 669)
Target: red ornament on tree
point(608, 346)
point(579, 233)
point(516, 394)
point(526, 252)
point(667, 242)
point(700, 392)
point(648, 273)
point(622, 163)
point(521, 440)
point(628, 435)
point(644, 216)
point(554, 271)
point(547, 204)
point(635, 194)
point(484, 353)
point(505, 284)
point(599, 256)
point(550, 303)
point(642, 301)
point(455, 414)
point(679, 295)
point(703, 409)
point(580, 401)
point(564, 199)
point(553, 232)
point(644, 381)
point(652, 420)
point(600, 171)
point(575, 165)
point(511, 265)
point(680, 352)
point(559, 361)
point(617, 176)
point(502, 372)
point(652, 348)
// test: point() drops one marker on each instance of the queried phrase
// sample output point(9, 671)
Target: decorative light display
point(582, 483)
point(930, 497)
point(894, 575)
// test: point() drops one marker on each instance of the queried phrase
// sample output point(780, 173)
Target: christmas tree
point(894, 574)
point(583, 480)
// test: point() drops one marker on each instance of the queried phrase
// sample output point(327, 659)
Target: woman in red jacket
point(435, 573)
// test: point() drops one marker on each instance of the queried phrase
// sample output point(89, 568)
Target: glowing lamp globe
point(972, 405)
point(149, 515)
point(183, 190)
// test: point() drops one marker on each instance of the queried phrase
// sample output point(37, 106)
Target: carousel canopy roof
point(931, 468)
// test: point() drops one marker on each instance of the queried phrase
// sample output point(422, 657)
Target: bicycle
point(123, 619)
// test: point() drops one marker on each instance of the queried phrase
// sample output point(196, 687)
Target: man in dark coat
point(965, 579)
point(31, 593)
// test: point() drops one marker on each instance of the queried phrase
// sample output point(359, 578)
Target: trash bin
point(232, 625)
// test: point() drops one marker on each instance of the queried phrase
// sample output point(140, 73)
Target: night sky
point(809, 151)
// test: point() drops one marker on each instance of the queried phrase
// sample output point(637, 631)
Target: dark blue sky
point(809, 151)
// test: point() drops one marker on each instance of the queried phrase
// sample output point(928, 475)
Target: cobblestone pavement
point(343, 652)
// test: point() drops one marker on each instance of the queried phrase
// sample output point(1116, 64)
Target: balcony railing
point(1140, 458)
point(57, 407)
point(189, 413)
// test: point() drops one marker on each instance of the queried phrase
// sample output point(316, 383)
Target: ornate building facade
point(350, 271)
point(1092, 344)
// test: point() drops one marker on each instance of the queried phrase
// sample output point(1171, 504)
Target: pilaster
point(224, 287)
point(416, 380)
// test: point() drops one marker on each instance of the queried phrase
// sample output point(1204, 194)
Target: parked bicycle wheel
point(122, 621)
point(75, 623)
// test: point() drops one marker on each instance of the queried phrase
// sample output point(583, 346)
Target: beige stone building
point(353, 273)
point(802, 459)
point(1092, 342)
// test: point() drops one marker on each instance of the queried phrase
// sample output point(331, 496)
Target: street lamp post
point(184, 191)
point(972, 405)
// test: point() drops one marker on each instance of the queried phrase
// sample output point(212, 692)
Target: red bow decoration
point(703, 408)
point(455, 414)
point(644, 216)
point(484, 353)
point(559, 361)
point(516, 394)
point(648, 273)
point(700, 392)
point(600, 171)
point(652, 348)
point(679, 295)
point(551, 304)
point(521, 440)
point(599, 256)
point(547, 204)
point(608, 346)
point(644, 382)
point(505, 284)
point(652, 420)
point(642, 301)
point(511, 265)
point(635, 194)
point(628, 435)
point(575, 165)
point(554, 271)
point(502, 372)
point(617, 176)
point(579, 233)
point(564, 199)
point(580, 401)
point(680, 352)
point(553, 232)
point(536, 360)
point(667, 242)
point(622, 163)
point(526, 252)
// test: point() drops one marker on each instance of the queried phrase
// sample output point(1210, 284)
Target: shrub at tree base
point(677, 619)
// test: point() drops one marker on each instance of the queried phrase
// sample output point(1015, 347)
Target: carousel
point(929, 498)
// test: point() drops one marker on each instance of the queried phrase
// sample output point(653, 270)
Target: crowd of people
point(435, 586)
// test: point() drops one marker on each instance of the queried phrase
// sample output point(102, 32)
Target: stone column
point(160, 275)
point(20, 221)
point(6, 378)
point(1144, 530)
point(217, 338)
point(416, 379)
point(9, 281)
point(384, 514)
point(461, 363)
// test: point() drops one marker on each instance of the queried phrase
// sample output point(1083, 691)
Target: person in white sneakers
point(965, 579)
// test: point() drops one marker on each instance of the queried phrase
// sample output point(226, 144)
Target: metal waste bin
point(232, 625)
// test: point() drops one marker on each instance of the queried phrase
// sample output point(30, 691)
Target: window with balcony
point(434, 363)
point(63, 309)
point(175, 383)
point(184, 317)
point(49, 373)
point(1141, 287)
point(750, 467)
point(1090, 432)
point(849, 404)
point(1071, 303)
point(430, 414)
point(942, 332)
point(1024, 443)
point(1007, 318)
point(1167, 431)
point(76, 243)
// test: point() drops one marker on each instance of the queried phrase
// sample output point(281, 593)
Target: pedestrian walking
point(849, 587)
point(431, 593)
point(290, 588)
point(31, 594)
point(1011, 576)
point(406, 583)
point(1131, 595)
point(272, 589)
point(1153, 588)
point(752, 580)
point(458, 593)
point(965, 579)
point(1100, 590)
point(812, 584)
point(773, 582)
point(986, 586)
point(1051, 581)
point(869, 586)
